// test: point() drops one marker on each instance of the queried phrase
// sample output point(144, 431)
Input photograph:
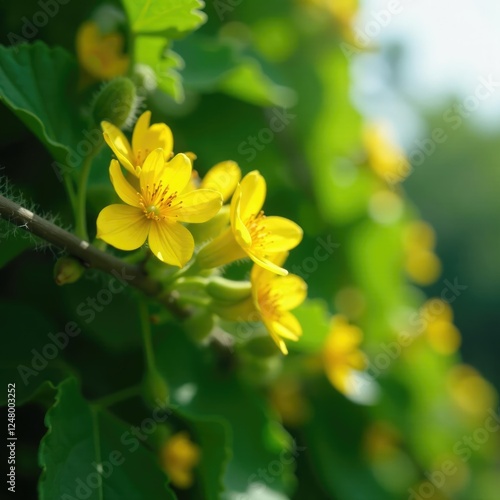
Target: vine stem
point(91, 256)
point(81, 197)
point(147, 336)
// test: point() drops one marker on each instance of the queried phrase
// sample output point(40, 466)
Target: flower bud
point(67, 270)
point(227, 290)
point(116, 102)
point(156, 392)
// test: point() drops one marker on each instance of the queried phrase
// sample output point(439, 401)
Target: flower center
point(257, 229)
point(268, 302)
point(156, 201)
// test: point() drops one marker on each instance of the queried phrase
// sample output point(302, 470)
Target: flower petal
point(152, 170)
point(171, 243)
point(253, 194)
point(177, 173)
point(140, 128)
point(267, 264)
point(147, 138)
point(291, 290)
point(197, 206)
point(117, 141)
point(287, 326)
point(241, 233)
point(223, 177)
point(123, 188)
point(284, 234)
point(122, 226)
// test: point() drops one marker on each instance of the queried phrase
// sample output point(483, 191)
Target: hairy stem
point(88, 254)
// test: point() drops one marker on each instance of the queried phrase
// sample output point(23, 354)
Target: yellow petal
point(140, 129)
point(253, 194)
point(117, 141)
point(197, 206)
point(241, 232)
point(152, 171)
point(123, 189)
point(260, 275)
point(171, 243)
point(291, 290)
point(267, 264)
point(284, 234)
point(122, 226)
point(223, 177)
point(147, 138)
point(287, 326)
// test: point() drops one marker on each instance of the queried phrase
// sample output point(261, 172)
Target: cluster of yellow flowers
point(162, 193)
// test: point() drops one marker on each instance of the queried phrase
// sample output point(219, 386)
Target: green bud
point(156, 392)
point(209, 230)
point(227, 290)
point(116, 103)
point(67, 270)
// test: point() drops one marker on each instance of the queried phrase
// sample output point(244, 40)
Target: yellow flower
point(145, 138)
point(274, 297)
point(421, 263)
point(156, 211)
point(178, 457)
point(341, 355)
point(251, 233)
point(101, 55)
point(441, 333)
point(385, 157)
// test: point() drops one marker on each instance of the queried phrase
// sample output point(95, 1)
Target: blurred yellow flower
point(178, 457)
point(251, 233)
point(440, 331)
point(421, 263)
point(145, 138)
point(471, 392)
point(274, 297)
point(288, 400)
point(156, 211)
point(385, 157)
point(101, 55)
point(341, 354)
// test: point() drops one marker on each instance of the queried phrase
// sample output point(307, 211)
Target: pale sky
point(448, 46)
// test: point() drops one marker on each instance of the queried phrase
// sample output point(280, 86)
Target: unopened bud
point(67, 270)
point(156, 392)
point(199, 325)
point(116, 102)
point(227, 290)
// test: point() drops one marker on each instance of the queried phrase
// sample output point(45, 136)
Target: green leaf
point(148, 16)
point(257, 441)
point(34, 83)
point(30, 358)
point(248, 82)
point(153, 51)
point(83, 439)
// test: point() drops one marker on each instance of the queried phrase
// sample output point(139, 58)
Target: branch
point(91, 256)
